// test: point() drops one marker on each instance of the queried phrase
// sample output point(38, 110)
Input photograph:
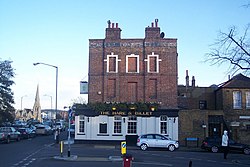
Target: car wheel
point(214, 149)
point(246, 151)
point(171, 147)
point(144, 147)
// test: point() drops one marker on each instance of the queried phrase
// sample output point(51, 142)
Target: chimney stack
point(187, 79)
point(113, 32)
point(193, 81)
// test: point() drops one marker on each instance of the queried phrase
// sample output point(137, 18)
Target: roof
point(238, 81)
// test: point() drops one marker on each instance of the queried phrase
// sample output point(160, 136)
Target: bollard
point(190, 164)
point(61, 148)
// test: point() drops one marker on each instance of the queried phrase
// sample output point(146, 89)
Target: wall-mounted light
point(152, 108)
point(99, 92)
point(88, 119)
point(113, 108)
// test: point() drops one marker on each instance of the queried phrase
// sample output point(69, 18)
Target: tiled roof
point(238, 81)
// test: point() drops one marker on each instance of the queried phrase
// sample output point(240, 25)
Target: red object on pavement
point(127, 160)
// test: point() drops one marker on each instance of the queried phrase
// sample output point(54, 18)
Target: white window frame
point(237, 100)
point(116, 63)
point(248, 100)
point(117, 120)
point(157, 63)
point(81, 130)
point(137, 63)
point(164, 120)
point(132, 120)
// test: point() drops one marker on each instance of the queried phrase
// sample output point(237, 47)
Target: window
point(163, 124)
point(202, 104)
point(117, 125)
point(153, 63)
point(132, 63)
point(237, 102)
point(81, 124)
point(132, 125)
point(248, 100)
point(103, 128)
point(112, 63)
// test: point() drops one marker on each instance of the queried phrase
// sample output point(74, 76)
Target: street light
point(22, 101)
point(56, 78)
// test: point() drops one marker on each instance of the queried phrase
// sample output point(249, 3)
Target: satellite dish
point(162, 35)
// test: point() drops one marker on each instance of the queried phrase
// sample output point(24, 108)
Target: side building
point(139, 73)
point(208, 111)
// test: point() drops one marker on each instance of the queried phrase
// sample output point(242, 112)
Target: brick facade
point(133, 70)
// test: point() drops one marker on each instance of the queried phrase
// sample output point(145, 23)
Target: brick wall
point(133, 86)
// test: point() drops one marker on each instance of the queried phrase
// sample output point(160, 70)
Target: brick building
point(131, 71)
point(207, 111)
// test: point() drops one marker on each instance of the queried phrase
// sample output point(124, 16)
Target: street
point(41, 151)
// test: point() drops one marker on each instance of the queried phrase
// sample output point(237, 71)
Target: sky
point(57, 32)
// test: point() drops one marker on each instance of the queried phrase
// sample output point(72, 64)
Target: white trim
point(157, 63)
point(137, 61)
point(116, 63)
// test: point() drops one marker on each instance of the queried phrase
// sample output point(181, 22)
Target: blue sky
point(56, 32)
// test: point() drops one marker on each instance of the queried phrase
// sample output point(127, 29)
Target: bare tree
point(233, 49)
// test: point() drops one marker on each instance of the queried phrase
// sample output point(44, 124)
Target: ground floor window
point(117, 125)
point(163, 124)
point(103, 128)
point(81, 124)
point(132, 125)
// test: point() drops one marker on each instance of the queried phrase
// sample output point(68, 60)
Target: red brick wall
point(166, 79)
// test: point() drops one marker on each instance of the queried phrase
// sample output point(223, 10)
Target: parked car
point(4, 138)
point(27, 133)
point(11, 133)
point(213, 144)
point(60, 125)
point(43, 130)
point(156, 140)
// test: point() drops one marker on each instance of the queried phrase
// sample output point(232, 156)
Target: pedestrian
point(57, 136)
point(224, 144)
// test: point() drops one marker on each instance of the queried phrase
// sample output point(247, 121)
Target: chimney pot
point(152, 24)
point(156, 22)
point(109, 22)
point(116, 25)
point(113, 25)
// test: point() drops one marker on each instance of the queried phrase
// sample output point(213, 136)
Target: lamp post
point(56, 78)
point(22, 101)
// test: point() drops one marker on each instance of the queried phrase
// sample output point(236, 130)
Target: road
point(41, 151)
